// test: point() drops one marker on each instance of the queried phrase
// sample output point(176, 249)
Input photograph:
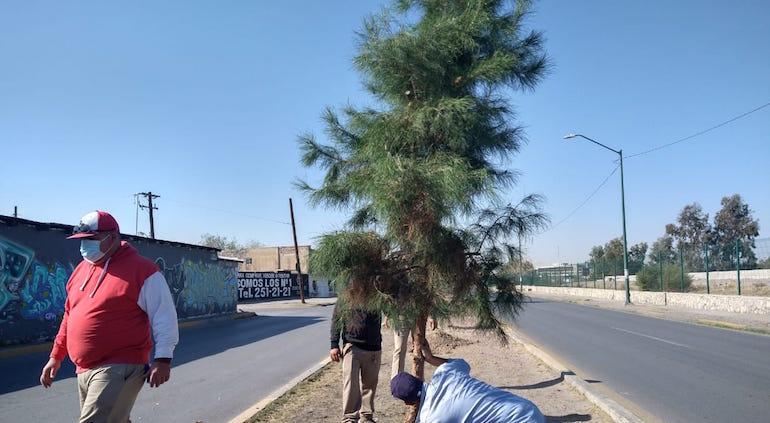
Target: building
point(275, 259)
point(284, 259)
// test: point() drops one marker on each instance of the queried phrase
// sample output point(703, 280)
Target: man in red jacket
point(117, 303)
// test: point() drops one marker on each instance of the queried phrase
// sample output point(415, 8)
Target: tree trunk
point(418, 363)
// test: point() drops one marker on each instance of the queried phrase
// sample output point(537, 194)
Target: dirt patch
point(511, 367)
point(442, 342)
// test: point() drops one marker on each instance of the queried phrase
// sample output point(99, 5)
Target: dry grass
point(750, 288)
point(319, 398)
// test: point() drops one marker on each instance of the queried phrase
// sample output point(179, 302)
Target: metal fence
point(740, 267)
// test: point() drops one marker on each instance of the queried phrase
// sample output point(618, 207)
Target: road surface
point(220, 369)
point(677, 372)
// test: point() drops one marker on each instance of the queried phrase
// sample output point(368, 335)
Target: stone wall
point(730, 303)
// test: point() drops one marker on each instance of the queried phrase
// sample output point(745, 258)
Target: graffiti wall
point(36, 261)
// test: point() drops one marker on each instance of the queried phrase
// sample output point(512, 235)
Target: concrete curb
point(267, 305)
point(617, 412)
point(264, 402)
point(15, 351)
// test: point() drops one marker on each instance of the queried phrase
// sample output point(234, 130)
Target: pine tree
point(430, 156)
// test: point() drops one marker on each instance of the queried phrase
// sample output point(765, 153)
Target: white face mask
point(91, 251)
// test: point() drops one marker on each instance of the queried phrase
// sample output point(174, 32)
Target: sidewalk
point(512, 367)
point(757, 323)
point(290, 303)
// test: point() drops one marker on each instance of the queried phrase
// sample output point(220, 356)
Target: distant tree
point(613, 256)
point(597, 253)
point(636, 256)
point(663, 249)
point(692, 233)
point(764, 264)
point(735, 222)
point(228, 246)
point(609, 257)
point(595, 256)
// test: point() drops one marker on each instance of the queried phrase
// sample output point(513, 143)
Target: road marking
point(651, 337)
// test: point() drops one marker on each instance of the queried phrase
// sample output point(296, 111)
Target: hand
point(425, 347)
point(49, 372)
point(335, 354)
point(160, 373)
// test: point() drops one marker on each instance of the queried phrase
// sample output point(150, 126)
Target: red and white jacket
point(113, 311)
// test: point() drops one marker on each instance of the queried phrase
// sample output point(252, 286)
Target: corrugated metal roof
point(230, 259)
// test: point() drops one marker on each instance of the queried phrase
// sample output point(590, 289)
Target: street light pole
point(625, 240)
point(623, 209)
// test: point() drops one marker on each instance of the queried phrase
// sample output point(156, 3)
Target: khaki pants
point(360, 369)
point(107, 393)
point(400, 339)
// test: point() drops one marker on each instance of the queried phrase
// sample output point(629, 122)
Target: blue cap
point(406, 387)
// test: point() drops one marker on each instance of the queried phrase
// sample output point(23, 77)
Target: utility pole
point(149, 195)
point(15, 211)
point(738, 262)
point(296, 253)
point(660, 264)
point(681, 269)
point(706, 254)
point(623, 208)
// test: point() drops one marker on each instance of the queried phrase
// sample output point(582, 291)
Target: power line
point(584, 201)
point(697, 134)
point(228, 211)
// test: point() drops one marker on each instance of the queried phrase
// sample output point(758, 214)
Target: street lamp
point(623, 207)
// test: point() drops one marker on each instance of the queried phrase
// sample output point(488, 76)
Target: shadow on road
point(543, 384)
point(195, 343)
point(569, 418)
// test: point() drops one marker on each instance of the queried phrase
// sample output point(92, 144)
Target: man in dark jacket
point(360, 355)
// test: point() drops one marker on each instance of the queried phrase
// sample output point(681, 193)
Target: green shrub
point(648, 278)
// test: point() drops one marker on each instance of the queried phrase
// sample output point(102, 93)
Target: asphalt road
point(677, 372)
point(220, 369)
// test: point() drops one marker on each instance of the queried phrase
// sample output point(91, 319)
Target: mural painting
point(32, 294)
point(200, 288)
point(33, 286)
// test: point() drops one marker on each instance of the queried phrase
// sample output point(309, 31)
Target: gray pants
point(107, 393)
point(360, 371)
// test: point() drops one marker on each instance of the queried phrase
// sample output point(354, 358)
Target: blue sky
point(201, 102)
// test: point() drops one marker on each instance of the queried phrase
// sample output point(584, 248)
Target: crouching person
point(454, 396)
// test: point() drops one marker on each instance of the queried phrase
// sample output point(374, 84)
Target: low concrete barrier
point(730, 303)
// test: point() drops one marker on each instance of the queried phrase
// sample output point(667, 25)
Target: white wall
point(731, 303)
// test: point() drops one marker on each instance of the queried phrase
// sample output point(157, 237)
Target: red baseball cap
point(93, 223)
